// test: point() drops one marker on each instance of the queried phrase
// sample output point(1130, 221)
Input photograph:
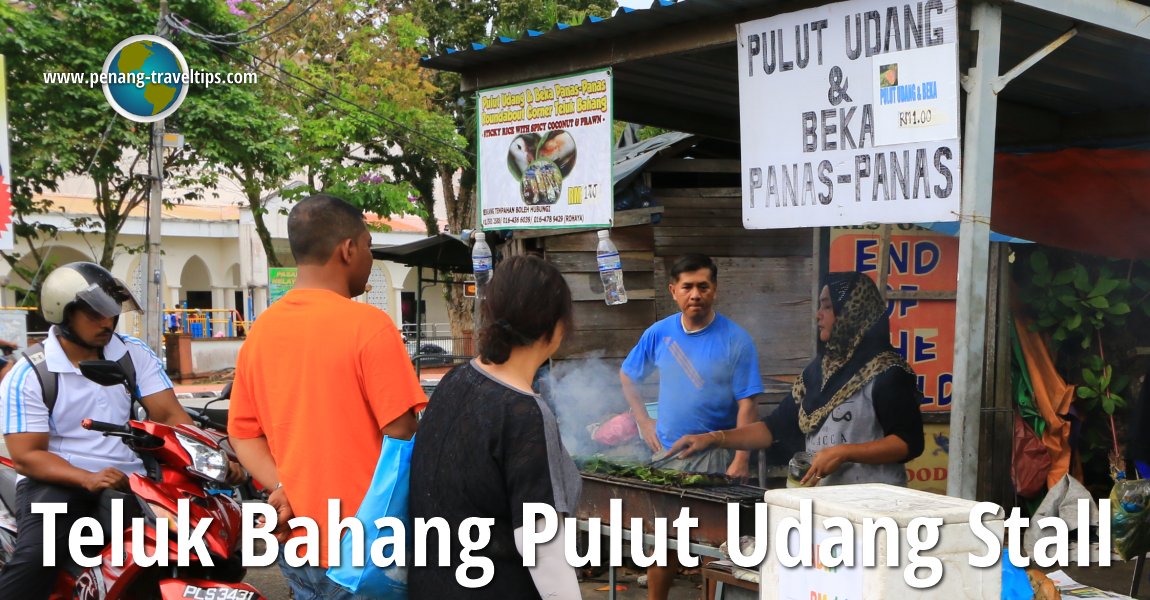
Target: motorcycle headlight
point(207, 462)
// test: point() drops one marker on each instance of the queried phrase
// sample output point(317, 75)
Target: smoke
point(584, 394)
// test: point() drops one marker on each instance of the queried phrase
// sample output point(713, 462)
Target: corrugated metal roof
point(625, 21)
point(1088, 91)
point(630, 160)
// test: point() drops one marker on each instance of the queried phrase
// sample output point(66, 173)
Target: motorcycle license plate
point(200, 593)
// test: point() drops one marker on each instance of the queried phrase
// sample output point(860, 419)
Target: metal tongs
point(658, 462)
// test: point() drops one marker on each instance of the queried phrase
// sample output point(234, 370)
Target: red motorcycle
point(182, 462)
point(214, 422)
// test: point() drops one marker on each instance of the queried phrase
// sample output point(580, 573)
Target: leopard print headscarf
point(858, 349)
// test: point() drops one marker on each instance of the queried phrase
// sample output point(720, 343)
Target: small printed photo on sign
point(540, 164)
point(888, 75)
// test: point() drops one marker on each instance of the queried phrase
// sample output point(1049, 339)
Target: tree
point(456, 24)
point(344, 80)
point(66, 130)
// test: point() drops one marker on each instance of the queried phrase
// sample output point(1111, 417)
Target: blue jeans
point(311, 583)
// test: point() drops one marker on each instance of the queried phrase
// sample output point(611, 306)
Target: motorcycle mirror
point(104, 372)
point(226, 392)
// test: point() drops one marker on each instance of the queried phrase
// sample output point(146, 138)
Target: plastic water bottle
point(610, 270)
point(481, 264)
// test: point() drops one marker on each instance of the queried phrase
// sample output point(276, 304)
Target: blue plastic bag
point(386, 497)
point(1015, 583)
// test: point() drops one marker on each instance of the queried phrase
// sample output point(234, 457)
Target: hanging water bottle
point(610, 270)
point(481, 264)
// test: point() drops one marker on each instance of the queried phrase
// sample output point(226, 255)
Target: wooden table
point(721, 578)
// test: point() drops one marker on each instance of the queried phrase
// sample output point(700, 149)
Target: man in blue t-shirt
point(708, 377)
point(708, 366)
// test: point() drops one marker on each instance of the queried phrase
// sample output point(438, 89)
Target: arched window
point(379, 293)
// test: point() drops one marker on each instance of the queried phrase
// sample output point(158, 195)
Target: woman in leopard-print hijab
point(855, 406)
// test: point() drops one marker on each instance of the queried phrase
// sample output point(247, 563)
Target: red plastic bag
point(616, 430)
point(1031, 461)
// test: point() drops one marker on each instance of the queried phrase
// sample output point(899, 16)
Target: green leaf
point(1064, 277)
point(1121, 308)
point(1119, 383)
point(1085, 343)
point(1090, 377)
point(1108, 404)
point(1081, 278)
point(1039, 262)
point(1097, 302)
point(1104, 381)
point(1105, 286)
point(1074, 322)
point(1085, 392)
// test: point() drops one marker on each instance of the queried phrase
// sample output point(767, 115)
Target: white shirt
point(79, 398)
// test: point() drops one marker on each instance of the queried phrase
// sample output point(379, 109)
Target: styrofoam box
point(955, 543)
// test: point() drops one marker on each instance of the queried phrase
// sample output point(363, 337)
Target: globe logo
point(145, 78)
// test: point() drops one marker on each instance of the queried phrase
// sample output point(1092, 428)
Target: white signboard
point(545, 154)
point(6, 236)
point(911, 102)
point(849, 115)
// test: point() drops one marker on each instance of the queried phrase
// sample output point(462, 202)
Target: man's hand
point(740, 467)
point(825, 462)
point(278, 500)
point(236, 473)
point(108, 478)
point(647, 431)
point(691, 444)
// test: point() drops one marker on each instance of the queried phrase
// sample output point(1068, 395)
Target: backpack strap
point(48, 380)
point(128, 366)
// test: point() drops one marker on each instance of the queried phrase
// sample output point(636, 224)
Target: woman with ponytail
point(488, 444)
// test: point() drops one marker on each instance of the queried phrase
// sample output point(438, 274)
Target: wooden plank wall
point(603, 331)
point(768, 297)
point(709, 220)
point(764, 275)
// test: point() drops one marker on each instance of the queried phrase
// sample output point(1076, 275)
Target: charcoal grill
point(648, 501)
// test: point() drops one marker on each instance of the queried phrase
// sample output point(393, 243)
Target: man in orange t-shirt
point(319, 381)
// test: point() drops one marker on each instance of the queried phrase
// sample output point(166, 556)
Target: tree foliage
point(69, 130)
point(1095, 312)
point(344, 78)
point(456, 24)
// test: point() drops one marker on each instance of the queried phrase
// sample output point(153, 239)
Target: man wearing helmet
point(58, 460)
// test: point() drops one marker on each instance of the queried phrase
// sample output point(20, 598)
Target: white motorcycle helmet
point(83, 284)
